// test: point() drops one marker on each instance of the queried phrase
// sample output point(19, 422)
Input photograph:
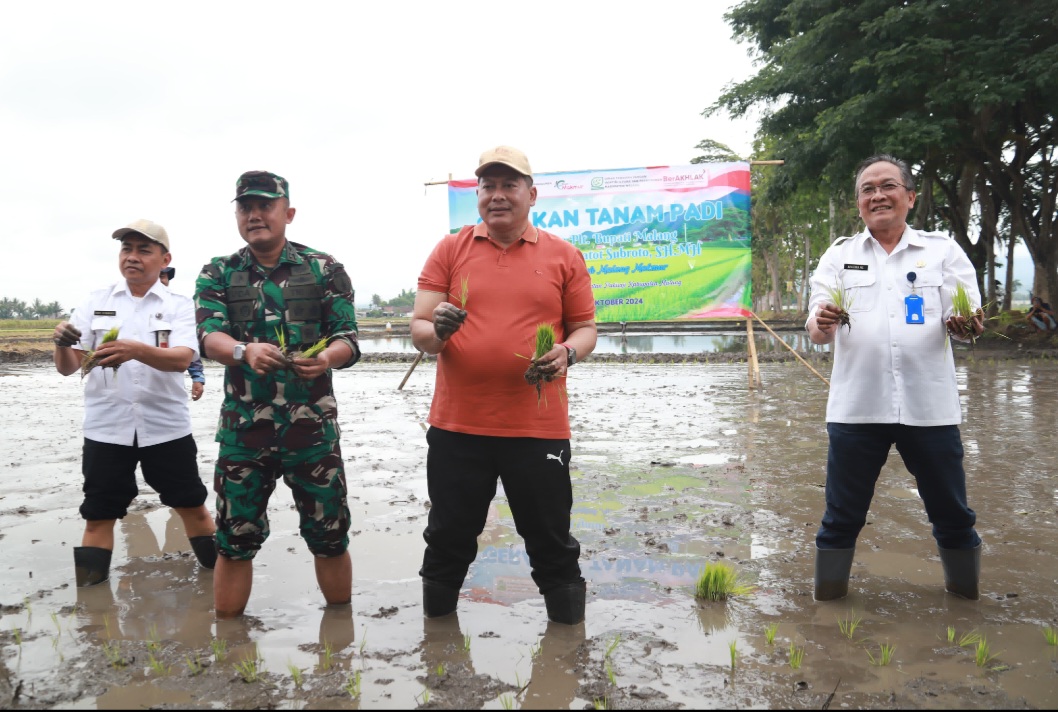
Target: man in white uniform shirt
point(893, 380)
point(138, 413)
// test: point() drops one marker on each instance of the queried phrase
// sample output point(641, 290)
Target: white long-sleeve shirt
point(885, 369)
point(136, 401)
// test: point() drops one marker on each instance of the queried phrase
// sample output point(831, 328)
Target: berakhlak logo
point(596, 183)
point(559, 183)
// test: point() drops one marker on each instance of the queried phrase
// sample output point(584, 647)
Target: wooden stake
point(790, 349)
point(414, 363)
point(754, 366)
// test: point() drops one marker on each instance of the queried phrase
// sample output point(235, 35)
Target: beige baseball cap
point(507, 156)
point(150, 230)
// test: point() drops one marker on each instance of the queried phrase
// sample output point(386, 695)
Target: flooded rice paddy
point(674, 466)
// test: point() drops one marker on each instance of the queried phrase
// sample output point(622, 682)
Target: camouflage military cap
point(263, 183)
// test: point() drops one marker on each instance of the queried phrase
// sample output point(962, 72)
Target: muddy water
point(674, 466)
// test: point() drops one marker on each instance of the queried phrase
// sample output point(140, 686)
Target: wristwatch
point(571, 355)
point(239, 352)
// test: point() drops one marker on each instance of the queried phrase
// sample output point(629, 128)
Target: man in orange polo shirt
point(487, 422)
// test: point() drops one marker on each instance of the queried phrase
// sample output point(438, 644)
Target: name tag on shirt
point(104, 312)
point(913, 309)
point(861, 268)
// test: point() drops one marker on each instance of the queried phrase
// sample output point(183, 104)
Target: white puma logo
point(556, 457)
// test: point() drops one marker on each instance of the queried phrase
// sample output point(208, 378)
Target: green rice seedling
point(951, 634)
point(534, 650)
point(850, 624)
point(157, 665)
point(885, 654)
point(29, 610)
point(113, 655)
point(55, 620)
point(613, 645)
point(17, 632)
point(194, 665)
point(219, 647)
point(962, 306)
point(507, 702)
point(328, 655)
point(248, 669)
point(295, 674)
point(424, 696)
point(719, 581)
point(842, 299)
point(601, 703)
point(363, 643)
point(733, 647)
point(971, 638)
point(466, 643)
point(610, 674)
point(352, 686)
point(106, 625)
point(90, 360)
point(464, 292)
point(983, 653)
point(313, 351)
point(769, 633)
point(1050, 634)
point(797, 655)
point(154, 642)
point(440, 670)
point(543, 342)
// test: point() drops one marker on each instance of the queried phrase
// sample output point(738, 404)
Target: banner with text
point(661, 243)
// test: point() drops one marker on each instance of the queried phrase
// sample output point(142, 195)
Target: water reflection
point(719, 342)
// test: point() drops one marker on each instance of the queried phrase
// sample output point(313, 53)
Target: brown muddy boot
point(565, 604)
point(438, 599)
point(91, 565)
point(832, 573)
point(962, 571)
point(205, 549)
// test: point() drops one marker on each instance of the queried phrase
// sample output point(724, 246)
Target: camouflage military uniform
point(278, 424)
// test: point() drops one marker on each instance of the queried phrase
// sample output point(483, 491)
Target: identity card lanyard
point(913, 303)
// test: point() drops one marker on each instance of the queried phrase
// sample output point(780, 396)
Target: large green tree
point(964, 91)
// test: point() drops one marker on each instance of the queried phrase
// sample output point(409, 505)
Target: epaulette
point(843, 240)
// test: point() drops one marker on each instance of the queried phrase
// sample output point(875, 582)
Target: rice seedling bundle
point(90, 360)
point(842, 299)
point(719, 581)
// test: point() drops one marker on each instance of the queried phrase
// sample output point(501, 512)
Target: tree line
point(964, 92)
point(18, 309)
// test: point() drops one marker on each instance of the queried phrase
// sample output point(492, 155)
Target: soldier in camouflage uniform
point(279, 416)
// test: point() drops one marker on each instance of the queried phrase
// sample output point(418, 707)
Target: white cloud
point(117, 111)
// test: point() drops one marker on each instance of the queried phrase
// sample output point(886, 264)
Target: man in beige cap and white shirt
point(137, 415)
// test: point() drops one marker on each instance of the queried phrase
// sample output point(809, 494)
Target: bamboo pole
point(754, 366)
point(791, 349)
point(411, 368)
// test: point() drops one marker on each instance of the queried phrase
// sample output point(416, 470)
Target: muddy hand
point(114, 353)
point(265, 358)
point(309, 368)
point(827, 318)
point(553, 363)
point(66, 335)
point(447, 318)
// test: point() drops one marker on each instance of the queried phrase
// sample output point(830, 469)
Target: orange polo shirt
point(480, 387)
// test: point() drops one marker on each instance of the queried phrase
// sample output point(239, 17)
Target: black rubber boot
point(832, 573)
point(91, 565)
point(565, 604)
point(205, 549)
point(962, 571)
point(438, 599)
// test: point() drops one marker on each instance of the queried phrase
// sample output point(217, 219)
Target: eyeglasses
point(885, 188)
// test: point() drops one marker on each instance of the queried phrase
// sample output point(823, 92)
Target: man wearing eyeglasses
point(893, 380)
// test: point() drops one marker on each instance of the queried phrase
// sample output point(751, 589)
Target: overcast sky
point(110, 112)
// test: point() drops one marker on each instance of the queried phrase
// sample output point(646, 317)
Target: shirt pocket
point(929, 286)
point(860, 292)
point(100, 326)
point(159, 330)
